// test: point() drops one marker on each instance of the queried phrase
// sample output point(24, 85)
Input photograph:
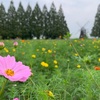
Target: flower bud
point(15, 44)
point(2, 45)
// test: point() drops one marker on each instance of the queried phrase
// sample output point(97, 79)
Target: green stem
point(32, 81)
point(3, 87)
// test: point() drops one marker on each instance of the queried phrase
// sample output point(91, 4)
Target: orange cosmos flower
point(97, 68)
point(23, 41)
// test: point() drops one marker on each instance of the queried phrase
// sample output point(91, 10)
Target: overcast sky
point(77, 13)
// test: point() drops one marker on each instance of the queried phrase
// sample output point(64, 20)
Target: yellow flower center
point(9, 72)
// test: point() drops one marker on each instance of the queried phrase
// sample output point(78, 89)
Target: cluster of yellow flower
point(55, 62)
point(49, 51)
point(43, 49)
point(78, 66)
point(6, 50)
point(44, 64)
point(33, 56)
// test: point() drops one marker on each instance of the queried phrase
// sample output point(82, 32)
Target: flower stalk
point(2, 88)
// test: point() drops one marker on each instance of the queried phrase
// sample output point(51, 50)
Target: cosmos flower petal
point(12, 70)
point(9, 61)
point(22, 75)
point(16, 99)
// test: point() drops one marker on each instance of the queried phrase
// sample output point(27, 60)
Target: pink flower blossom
point(2, 45)
point(15, 44)
point(16, 99)
point(12, 70)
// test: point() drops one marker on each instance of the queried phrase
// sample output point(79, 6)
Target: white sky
point(77, 13)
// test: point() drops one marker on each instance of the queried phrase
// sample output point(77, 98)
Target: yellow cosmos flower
point(50, 94)
point(33, 56)
point(49, 51)
point(70, 45)
point(43, 49)
point(75, 40)
point(56, 66)
point(6, 50)
point(37, 50)
point(55, 62)
point(14, 50)
point(99, 59)
point(78, 66)
point(76, 54)
point(44, 64)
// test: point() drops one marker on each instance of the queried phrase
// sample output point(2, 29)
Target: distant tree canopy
point(27, 23)
point(96, 27)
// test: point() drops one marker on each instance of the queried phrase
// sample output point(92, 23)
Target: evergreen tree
point(45, 19)
point(96, 27)
point(3, 30)
point(36, 21)
point(28, 15)
point(11, 21)
point(62, 25)
point(53, 22)
point(27, 24)
point(21, 25)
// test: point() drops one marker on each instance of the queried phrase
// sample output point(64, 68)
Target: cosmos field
point(60, 70)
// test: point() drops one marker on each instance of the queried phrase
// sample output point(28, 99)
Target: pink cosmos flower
point(2, 45)
point(12, 70)
point(15, 44)
point(16, 99)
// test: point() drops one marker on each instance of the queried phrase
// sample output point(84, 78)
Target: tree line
point(96, 27)
point(26, 24)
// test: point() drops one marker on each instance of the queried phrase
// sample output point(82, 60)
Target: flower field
point(50, 69)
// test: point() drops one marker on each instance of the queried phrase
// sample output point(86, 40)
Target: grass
point(66, 80)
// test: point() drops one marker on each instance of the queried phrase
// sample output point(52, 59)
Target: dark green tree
point(45, 20)
point(53, 18)
point(11, 21)
point(96, 28)
point(62, 25)
point(36, 21)
point(3, 30)
point(28, 28)
point(21, 25)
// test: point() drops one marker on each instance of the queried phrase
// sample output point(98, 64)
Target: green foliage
point(21, 25)
point(67, 35)
point(28, 27)
point(11, 21)
point(62, 25)
point(3, 26)
point(26, 24)
point(37, 21)
point(46, 21)
point(96, 30)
